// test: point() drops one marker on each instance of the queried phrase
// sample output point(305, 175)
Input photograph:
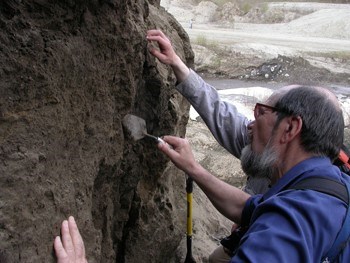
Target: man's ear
point(292, 127)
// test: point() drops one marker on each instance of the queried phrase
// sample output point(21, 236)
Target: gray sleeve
point(227, 125)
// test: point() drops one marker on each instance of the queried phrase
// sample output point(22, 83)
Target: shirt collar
point(313, 166)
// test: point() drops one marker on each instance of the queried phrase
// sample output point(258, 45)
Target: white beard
point(259, 165)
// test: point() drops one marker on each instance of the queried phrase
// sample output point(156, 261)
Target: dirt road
point(322, 38)
point(262, 34)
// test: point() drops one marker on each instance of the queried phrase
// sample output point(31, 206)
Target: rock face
point(70, 71)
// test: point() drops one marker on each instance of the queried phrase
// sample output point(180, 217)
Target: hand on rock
point(70, 249)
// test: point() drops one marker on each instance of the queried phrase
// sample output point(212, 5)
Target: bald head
point(276, 95)
point(329, 95)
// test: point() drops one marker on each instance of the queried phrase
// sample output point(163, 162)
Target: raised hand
point(166, 53)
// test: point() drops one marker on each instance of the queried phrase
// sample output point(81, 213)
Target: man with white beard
point(296, 134)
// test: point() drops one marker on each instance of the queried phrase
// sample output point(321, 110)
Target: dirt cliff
point(70, 71)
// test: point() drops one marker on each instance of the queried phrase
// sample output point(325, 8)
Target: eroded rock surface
point(70, 71)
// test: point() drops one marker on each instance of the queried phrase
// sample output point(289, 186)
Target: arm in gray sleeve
point(227, 125)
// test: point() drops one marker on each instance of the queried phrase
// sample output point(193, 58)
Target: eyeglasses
point(260, 109)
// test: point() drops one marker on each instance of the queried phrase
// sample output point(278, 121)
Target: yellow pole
point(189, 190)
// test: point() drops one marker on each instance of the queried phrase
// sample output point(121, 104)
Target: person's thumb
point(164, 146)
point(167, 145)
point(174, 141)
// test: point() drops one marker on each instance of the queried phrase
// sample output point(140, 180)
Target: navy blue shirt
point(289, 225)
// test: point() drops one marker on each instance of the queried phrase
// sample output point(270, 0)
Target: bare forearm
point(180, 69)
point(227, 199)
